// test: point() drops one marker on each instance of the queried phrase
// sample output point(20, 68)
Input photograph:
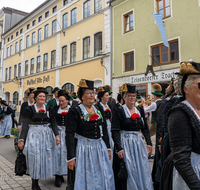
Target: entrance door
point(7, 97)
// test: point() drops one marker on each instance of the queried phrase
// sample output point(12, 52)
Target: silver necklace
point(198, 107)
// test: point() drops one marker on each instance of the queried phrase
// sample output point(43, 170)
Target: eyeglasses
point(198, 84)
point(90, 93)
point(131, 96)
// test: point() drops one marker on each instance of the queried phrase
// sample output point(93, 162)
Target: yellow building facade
point(57, 44)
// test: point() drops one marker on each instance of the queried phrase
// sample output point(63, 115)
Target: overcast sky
point(23, 5)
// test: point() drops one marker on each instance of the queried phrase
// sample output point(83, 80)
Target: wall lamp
point(17, 80)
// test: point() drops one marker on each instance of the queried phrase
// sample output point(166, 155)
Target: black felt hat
point(30, 90)
point(128, 87)
point(86, 84)
point(39, 89)
point(189, 68)
point(3, 102)
point(101, 91)
point(64, 93)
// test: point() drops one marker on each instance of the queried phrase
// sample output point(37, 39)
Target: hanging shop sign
point(159, 77)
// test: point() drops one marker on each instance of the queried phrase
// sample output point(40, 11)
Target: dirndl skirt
point(136, 160)
point(110, 138)
point(61, 167)
point(39, 150)
point(6, 125)
point(178, 182)
point(93, 168)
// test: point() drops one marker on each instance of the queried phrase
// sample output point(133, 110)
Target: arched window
point(49, 89)
point(68, 86)
point(15, 98)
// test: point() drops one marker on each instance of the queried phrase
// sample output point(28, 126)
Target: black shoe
point(35, 184)
point(151, 157)
point(70, 187)
point(62, 178)
point(7, 136)
point(58, 182)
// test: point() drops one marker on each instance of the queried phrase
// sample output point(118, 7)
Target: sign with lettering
point(159, 77)
point(38, 80)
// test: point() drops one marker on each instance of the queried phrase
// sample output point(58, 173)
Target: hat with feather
point(157, 89)
point(30, 90)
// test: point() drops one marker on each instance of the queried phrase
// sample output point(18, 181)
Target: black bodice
point(88, 129)
point(61, 120)
point(121, 122)
point(107, 114)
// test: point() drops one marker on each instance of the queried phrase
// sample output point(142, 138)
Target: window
point(45, 64)
point(11, 37)
point(28, 26)
point(54, 23)
point(15, 98)
point(11, 48)
point(97, 5)
point(163, 55)
point(40, 19)
point(65, 2)
point(65, 20)
point(129, 61)
point(73, 52)
point(64, 55)
point(15, 70)
point(16, 47)
point(97, 43)
point(39, 34)
point(32, 66)
point(27, 41)
point(163, 7)
point(86, 48)
point(21, 31)
point(33, 23)
point(6, 74)
point(86, 9)
point(33, 38)
point(54, 9)
point(7, 52)
point(17, 33)
point(69, 87)
point(9, 76)
point(19, 70)
point(26, 68)
point(128, 22)
point(73, 16)
point(49, 96)
point(38, 64)
point(46, 14)
point(8, 39)
point(20, 45)
point(53, 59)
point(46, 31)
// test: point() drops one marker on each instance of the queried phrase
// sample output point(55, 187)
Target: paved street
point(7, 179)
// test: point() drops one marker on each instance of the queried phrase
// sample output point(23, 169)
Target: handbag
point(122, 174)
point(20, 164)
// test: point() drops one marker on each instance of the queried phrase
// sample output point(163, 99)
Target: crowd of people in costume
point(105, 144)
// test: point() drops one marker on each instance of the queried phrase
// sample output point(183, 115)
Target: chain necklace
point(87, 106)
point(198, 107)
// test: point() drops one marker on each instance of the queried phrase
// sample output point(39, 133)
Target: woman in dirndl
point(61, 150)
point(103, 97)
point(38, 138)
point(127, 123)
point(7, 123)
point(91, 155)
point(184, 128)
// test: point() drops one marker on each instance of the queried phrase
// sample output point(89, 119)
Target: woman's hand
point(121, 154)
point(149, 150)
point(21, 145)
point(15, 119)
point(57, 140)
point(19, 128)
point(72, 164)
point(109, 154)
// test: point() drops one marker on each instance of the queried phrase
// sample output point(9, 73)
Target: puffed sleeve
point(71, 127)
point(53, 121)
point(116, 127)
point(25, 125)
point(180, 136)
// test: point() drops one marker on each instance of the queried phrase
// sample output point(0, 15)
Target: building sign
point(38, 80)
point(159, 77)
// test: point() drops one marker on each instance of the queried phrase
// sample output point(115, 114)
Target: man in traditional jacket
point(54, 101)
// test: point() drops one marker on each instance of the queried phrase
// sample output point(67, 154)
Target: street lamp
point(17, 80)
